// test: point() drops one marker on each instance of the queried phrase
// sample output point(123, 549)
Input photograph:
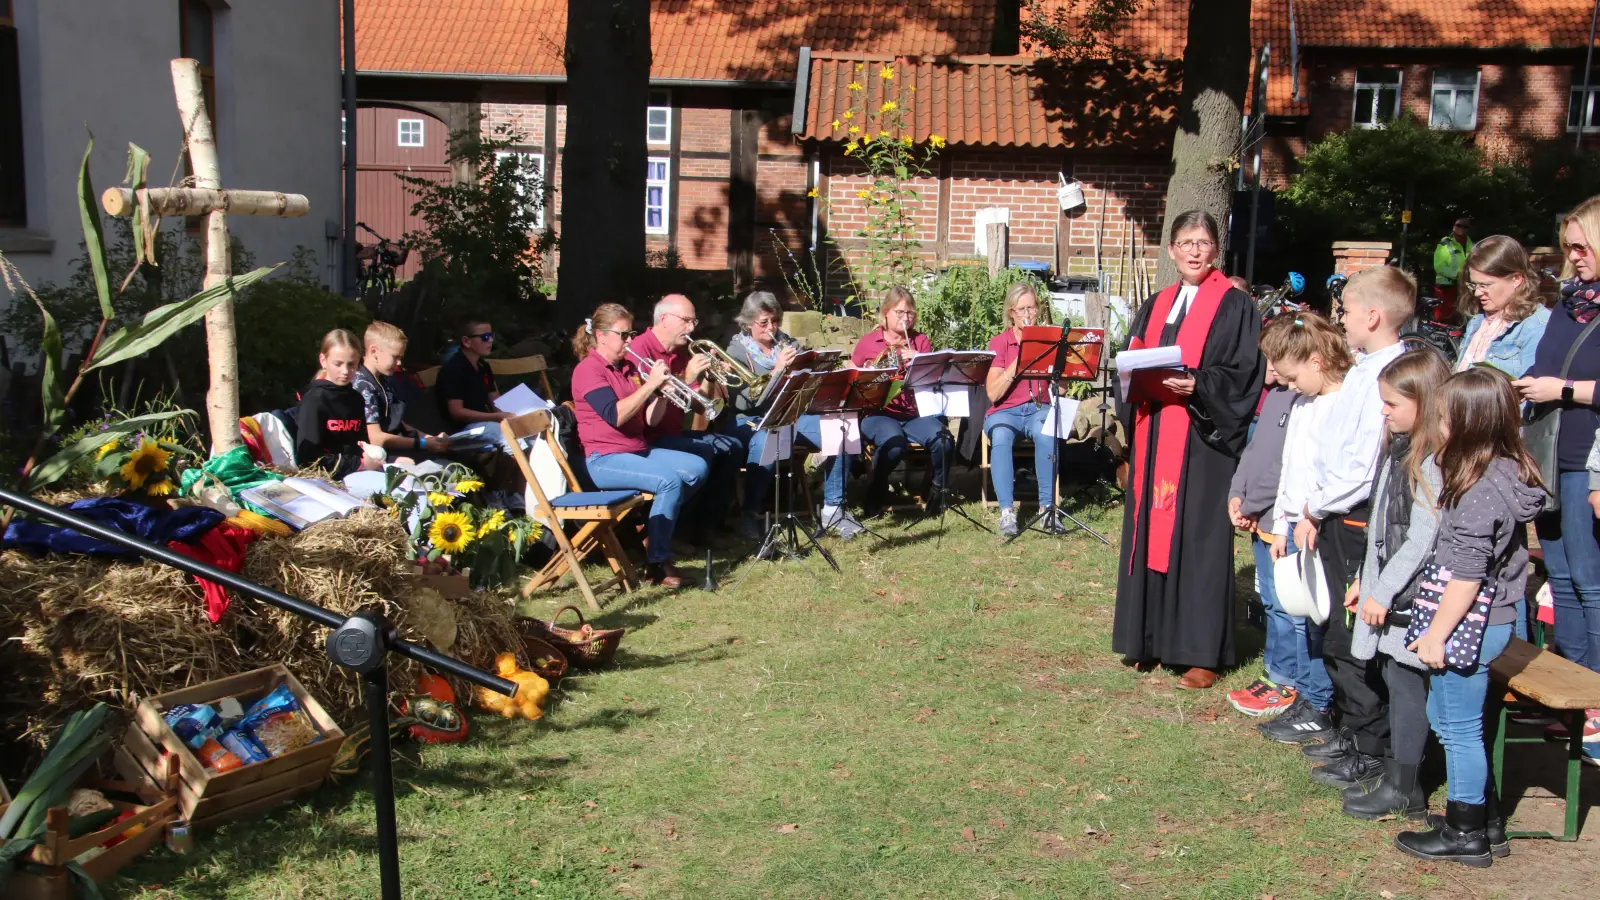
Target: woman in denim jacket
point(1501, 293)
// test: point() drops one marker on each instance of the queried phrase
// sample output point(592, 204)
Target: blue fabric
point(1571, 545)
point(722, 454)
point(1314, 683)
point(1511, 352)
point(592, 498)
point(758, 478)
point(159, 526)
point(1455, 710)
point(892, 438)
point(1004, 427)
point(671, 475)
point(1280, 657)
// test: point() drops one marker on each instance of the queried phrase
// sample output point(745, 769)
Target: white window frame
point(660, 102)
point(538, 161)
point(666, 195)
point(1454, 89)
point(422, 133)
point(1377, 88)
point(1591, 112)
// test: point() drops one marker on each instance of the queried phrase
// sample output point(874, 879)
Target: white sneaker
point(1008, 522)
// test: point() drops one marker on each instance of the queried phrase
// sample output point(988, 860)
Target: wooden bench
point(1533, 676)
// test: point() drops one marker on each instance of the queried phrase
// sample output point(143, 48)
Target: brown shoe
point(664, 575)
point(1197, 679)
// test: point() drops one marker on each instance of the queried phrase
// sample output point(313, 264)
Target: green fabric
point(1449, 258)
point(236, 470)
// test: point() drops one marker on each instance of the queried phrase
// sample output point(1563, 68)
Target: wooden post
point(997, 240)
point(119, 201)
point(222, 351)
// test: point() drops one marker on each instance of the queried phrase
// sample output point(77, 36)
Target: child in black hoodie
point(331, 421)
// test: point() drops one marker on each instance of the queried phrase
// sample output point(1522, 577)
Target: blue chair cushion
point(592, 498)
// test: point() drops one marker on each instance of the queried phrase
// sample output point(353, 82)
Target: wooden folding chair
point(598, 511)
point(525, 365)
point(1020, 450)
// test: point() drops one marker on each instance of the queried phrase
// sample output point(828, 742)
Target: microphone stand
point(361, 643)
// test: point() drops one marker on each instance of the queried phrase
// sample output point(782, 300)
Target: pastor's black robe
point(1184, 617)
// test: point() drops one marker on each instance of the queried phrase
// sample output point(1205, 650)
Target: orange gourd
point(436, 687)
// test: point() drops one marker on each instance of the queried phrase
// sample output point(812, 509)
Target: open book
point(301, 502)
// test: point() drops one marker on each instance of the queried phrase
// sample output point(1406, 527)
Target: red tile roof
point(1533, 24)
point(997, 101)
point(723, 40)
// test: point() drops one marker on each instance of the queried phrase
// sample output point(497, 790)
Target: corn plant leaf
point(51, 390)
point(63, 460)
point(159, 324)
point(143, 243)
point(93, 235)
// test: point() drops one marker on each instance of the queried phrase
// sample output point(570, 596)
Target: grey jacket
point(1483, 538)
point(1384, 583)
point(1255, 481)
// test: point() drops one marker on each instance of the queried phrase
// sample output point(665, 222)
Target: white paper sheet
point(1066, 412)
point(336, 499)
point(778, 445)
point(1130, 361)
point(520, 399)
point(841, 433)
point(954, 401)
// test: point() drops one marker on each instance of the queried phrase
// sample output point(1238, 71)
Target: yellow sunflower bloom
point(495, 522)
point(834, 123)
point(144, 462)
point(854, 129)
point(863, 194)
point(451, 532)
point(883, 134)
point(856, 86)
point(436, 498)
point(886, 73)
point(811, 193)
point(106, 449)
point(866, 139)
point(936, 141)
point(849, 114)
point(159, 488)
point(850, 148)
point(888, 106)
point(860, 66)
point(469, 485)
point(906, 139)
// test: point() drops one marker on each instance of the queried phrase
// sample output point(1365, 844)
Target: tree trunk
point(1216, 72)
point(603, 164)
point(119, 201)
point(222, 399)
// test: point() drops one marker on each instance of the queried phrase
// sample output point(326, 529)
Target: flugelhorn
point(679, 392)
point(729, 372)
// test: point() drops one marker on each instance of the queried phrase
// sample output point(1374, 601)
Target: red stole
point(1172, 442)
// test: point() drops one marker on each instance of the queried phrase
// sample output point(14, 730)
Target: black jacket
point(330, 424)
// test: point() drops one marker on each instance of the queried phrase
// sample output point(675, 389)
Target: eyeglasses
point(764, 323)
point(691, 321)
point(625, 335)
point(1192, 246)
point(1479, 287)
point(1580, 249)
point(486, 336)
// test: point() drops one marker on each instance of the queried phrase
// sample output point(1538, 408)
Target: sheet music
point(779, 445)
point(1130, 361)
point(520, 399)
point(1066, 408)
point(952, 400)
point(841, 433)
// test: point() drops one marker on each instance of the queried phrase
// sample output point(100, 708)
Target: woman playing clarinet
point(1175, 577)
point(892, 429)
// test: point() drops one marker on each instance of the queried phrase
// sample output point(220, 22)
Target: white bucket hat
point(1302, 589)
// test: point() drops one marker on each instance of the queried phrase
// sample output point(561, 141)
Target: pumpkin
point(436, 687)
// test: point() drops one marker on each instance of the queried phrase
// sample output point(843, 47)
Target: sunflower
point(469, 485)
point(159, 488)
point(450, 532)
point(143, 462)
point(936, 141)
point(495, 522)
point(435, 498)
point(106, 449)
point(889, 106)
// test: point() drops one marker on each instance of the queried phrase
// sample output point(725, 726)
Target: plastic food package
point(215, 756)
point(193, 724)
point(278, 724)
point(242, 745)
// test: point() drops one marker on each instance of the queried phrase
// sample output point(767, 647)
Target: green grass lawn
point(944, 719)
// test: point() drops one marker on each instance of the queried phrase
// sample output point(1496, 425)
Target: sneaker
point(1301, 723)
point(1051, 524)
point(1557, 731)
point(1351, 770)
point(1339, 746)
point(846, 526)
point(1262, 698)
point(1008, 522)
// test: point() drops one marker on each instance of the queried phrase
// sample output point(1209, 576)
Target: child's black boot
point(1461, 837)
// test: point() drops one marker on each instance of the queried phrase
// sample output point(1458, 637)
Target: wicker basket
point(589, 651)
point(535, 648)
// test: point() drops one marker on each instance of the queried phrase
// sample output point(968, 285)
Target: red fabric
point(1006, 348)
point(250, 432)
point(1445, 312)
point(650, 347)
point(222, 547)
point(904, 405)
point(1172, 442)
point(594, 432)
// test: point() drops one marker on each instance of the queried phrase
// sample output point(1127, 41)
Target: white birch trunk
point(120, 201)
point(222, 399)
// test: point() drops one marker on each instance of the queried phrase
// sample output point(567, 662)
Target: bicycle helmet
point(1297, 283)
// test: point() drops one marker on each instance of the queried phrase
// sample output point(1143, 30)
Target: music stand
point(939, 371)
point(784, 536)
point(1051, 353)
point(846, 391)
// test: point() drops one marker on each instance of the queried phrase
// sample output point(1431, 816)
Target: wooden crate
point(47, 878)
point(208, 798)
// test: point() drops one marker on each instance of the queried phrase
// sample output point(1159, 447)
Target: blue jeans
point(1315, 684)
point(1281, 656)
point(758, 478)
point(1003, 428)
point(1572, 559)
point(892, 438)
point(1455, 710)
point(673, 476)
point(722, 454)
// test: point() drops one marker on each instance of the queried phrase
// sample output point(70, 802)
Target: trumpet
point(679, 392)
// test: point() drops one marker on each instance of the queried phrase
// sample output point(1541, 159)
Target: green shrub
point(280, 324)
point(962, 308)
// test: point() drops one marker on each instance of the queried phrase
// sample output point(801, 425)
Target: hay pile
point(76, 628)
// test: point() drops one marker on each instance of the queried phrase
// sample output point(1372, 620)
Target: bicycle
point(1272, 302)
point(376, 265)
point(1444, 337)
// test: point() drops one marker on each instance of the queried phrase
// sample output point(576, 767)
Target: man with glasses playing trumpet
point(667, 340)
point(756, 355)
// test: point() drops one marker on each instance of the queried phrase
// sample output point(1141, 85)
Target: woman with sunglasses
point(614, 404)
point(1501, 294)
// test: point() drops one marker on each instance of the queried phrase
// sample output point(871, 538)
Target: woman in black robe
point(1175, 581)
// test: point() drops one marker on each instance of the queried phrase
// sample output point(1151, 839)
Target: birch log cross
point(209, 199)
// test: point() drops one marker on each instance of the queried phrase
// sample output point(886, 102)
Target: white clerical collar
point(1186, 294)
